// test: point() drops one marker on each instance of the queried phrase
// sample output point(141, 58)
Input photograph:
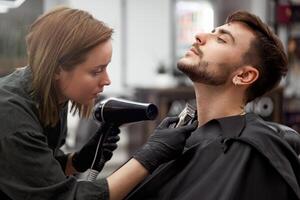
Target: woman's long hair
point(60, 39)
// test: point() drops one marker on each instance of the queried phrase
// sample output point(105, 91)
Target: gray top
point(32, 164)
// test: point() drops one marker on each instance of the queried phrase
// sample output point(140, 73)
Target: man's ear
point(245, 75)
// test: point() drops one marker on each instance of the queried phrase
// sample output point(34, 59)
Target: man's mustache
point(200, 53)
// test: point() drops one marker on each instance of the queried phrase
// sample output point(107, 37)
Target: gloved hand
point(165, 144)
point(83, 159)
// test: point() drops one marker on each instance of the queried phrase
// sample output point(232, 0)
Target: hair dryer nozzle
point(120, 111)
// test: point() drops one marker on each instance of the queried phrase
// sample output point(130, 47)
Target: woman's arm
point(125, 179)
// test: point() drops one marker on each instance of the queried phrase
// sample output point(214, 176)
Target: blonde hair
point(60, 39)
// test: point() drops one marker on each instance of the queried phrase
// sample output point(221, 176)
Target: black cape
point(234, 158)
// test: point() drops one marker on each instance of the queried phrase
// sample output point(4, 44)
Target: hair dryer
point(120, 111)
point(117, 112)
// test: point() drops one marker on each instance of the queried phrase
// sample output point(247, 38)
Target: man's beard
point(199, 73)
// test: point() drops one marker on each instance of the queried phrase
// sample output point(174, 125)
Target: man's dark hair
point(266, 53)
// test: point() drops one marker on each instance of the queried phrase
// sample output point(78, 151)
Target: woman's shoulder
point(17, 82)
point(16, 116)
point(18, 112)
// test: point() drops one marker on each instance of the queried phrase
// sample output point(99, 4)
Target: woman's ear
point(245, 75)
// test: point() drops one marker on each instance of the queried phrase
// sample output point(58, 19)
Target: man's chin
point(183, 65)
point(188, 70)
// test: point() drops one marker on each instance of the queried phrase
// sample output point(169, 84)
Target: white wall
point(149, 39)
point(49, 4)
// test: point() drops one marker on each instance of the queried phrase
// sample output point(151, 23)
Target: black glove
point(164, 145)
point(83, 159)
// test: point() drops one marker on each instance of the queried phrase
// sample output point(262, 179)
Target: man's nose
point(201, 38)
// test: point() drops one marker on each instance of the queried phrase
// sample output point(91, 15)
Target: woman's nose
point(105, 80)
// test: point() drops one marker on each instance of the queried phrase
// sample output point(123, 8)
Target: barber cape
point(233, 158)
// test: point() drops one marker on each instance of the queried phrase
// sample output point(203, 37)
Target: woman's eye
point(95, 73)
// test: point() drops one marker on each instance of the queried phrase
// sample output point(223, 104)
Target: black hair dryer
point(117, 112)
point(120, 111)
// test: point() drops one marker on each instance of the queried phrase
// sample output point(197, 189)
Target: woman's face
point(83, 83)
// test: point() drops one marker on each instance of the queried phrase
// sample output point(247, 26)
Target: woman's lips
point(97, 94)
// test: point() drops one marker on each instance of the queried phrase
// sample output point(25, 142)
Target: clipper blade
point(186, 115)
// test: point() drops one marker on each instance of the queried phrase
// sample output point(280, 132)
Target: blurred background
point(150, 36)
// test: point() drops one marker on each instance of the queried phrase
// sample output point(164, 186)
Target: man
point(232, 155)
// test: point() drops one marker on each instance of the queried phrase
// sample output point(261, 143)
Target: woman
point(69, 52)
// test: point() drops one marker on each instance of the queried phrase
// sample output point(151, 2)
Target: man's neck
point(214, 103)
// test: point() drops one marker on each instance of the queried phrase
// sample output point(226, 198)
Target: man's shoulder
point(270, 142)
point(263, 135)
point(261, 130)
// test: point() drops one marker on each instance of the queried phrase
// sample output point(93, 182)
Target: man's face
point(214, 56)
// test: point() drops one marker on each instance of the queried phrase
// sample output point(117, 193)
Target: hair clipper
point(187, 116)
